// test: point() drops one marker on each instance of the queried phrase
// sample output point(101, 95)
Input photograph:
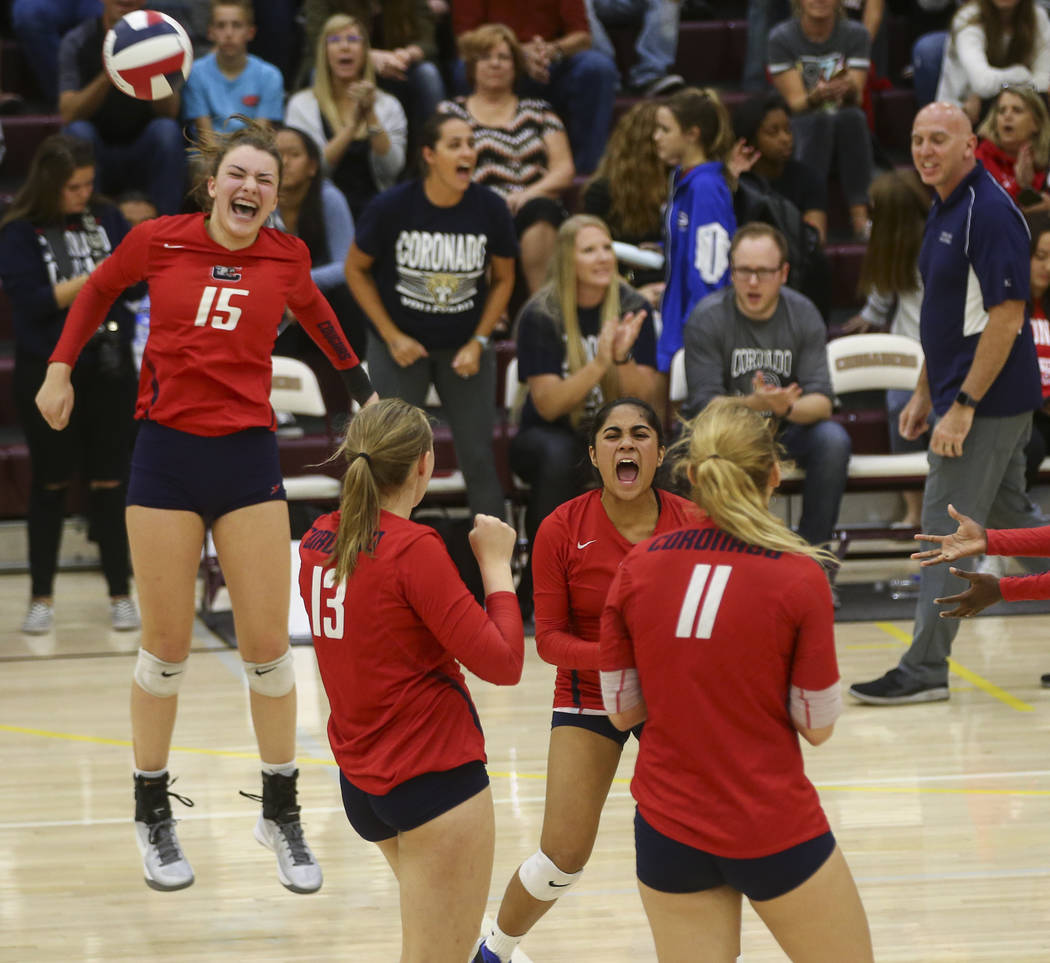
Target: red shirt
point(718, 631)
point(1001, 166)
point(549, 19)
point(214, 316)
point(576, 554)
point(1041, 336)
point(1026, 543)
point(387, 644)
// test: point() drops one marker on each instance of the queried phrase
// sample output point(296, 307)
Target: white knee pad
point(273, 679)
point(157, 677)
point(543, 880)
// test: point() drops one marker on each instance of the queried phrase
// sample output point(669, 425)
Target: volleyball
point(147, 55)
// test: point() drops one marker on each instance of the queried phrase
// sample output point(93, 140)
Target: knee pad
point(274, 679)
point(157, 677)
point(543, 880)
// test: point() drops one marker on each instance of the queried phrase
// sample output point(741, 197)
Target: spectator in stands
point(362, 131)
point(1039, 313)
point(432, 266)
point(584, 339)
point(51, 237)
point(39, 26)
point(656, 45)
point(889, 277)
point(403, 52)
point(1015, 145)
point(629, 191)
point(818, 61)
point(229, 83)
point(993, 43)
point(693, 134)
point(137, 143)
point(560, 65)
point(766, 343)
point(523, 152)
point(311, 207)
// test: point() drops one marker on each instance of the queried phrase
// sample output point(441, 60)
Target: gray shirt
point(724, 348)
point(848, 47)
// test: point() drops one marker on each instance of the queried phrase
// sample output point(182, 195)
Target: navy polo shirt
point(975, 255)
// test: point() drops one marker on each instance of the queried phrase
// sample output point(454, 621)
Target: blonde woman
point(583, 339)
point(403, 729)
point(361, 130)
point(720, 638)
point(1014, 145)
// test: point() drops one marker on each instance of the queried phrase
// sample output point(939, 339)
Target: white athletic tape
point(157, 677)
point(273, 679)
point(543, 880)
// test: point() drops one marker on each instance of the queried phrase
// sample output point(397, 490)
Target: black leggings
point(98, 441)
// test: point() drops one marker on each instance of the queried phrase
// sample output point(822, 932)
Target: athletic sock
point(501, 944)
point(148, 774)
point(281, 769)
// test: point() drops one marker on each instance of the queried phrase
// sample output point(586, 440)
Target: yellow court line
point(531, 776)
point(989, 688)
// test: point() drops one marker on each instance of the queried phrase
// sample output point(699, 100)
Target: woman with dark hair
point(52, 237)
point(693, 135)
point(629, 191)
point(360, 130)
point(432, 267)
point(993, 43)
point(719, 637)
point(1014, 145)
point(403, 728)
point(206, 456)
point(311, 207)
point(523, 150)
point(577, 551)
point(818, 61)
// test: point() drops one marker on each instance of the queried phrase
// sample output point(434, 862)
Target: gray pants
point(841, 136)
point(987, 483)
point(468, 404)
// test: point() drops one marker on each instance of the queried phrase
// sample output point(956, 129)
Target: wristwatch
point(962, 398)
point(483, 340)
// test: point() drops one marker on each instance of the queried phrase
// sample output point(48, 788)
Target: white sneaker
point(124, 616)
point(40, 619)
point(163, 863)
point(283, 833)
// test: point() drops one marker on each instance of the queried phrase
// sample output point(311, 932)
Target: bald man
point(980, 380)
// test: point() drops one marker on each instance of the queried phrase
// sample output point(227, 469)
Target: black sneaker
point(163, 863)
point(1045, 680)
point(279, 829)
point(897, 688)
point(662, 86)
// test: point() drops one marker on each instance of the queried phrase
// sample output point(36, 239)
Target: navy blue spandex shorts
point(208, 475)
point(599, 724)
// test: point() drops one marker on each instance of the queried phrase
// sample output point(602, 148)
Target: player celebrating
point(390, 618)
point(206, 454)
point(578, 547)
point(720, 638)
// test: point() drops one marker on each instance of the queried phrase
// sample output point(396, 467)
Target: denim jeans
point(840, 141)
point(822, 449)
point(657, 41)
point(762, 16)
point(155, 162)
point(39, 26)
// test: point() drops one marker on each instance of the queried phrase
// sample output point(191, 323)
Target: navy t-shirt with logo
point(431, 262)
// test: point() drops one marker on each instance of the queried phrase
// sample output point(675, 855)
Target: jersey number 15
point(227, 315)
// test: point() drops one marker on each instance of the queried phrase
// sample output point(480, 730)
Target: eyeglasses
point(335, 38)
point(759, 274)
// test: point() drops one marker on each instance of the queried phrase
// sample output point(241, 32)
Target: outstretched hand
point(969, 539)
point(983, 591)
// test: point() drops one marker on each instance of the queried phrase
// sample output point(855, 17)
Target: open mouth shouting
point(244, 210)
point(627, 470)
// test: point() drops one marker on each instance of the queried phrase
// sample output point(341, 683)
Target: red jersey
point(1001, 166)
point(1027, 543)
point(719, 631)
point(387, 643)
point(1041, 336)
point(574, 559)
point(214, 316)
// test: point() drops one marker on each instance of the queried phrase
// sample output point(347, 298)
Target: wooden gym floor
point(942, 810)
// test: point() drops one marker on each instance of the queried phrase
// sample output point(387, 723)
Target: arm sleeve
point(503, 239)
point(339, 232)
point(704, 364)
point(555, 641)
point(814, 667)
point(127, 265)
point(858, 46)
point(391, 115)
point(25, 279)
point(302, 112)
point(68, 70)
point(1025, 588)
point(491, 645)
point(194, 103)
point(271, 105)
point(812, 370)
point(1041, 63)
point(814, 709)
point(985, 80)
point(644, 349)
point(998, 259)
point(780, 57)
point(877, 308)
point(1025, 542)
point(621, 687)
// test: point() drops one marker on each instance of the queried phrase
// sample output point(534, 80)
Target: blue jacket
point(698, 230)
